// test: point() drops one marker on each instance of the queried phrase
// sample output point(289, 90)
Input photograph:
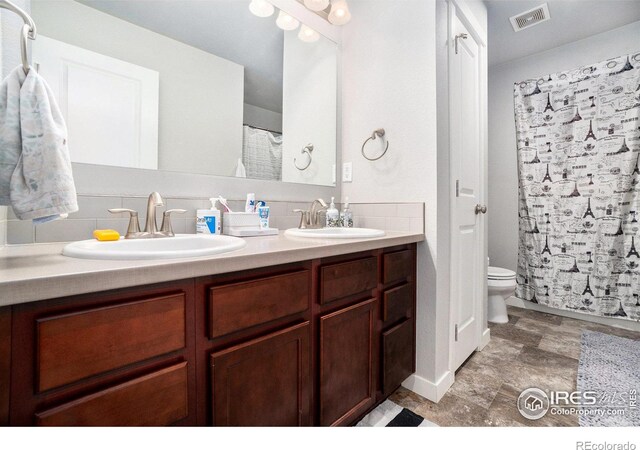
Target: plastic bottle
point(346, 216)
point(333, 216)
point(250, 205)
point(208, 220)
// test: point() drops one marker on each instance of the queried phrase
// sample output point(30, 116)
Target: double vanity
point(280, 330)
point(312, 326)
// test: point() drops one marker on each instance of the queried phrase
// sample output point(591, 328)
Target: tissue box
point(243, 224)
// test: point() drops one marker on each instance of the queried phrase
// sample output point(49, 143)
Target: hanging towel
point(35, 169)
point(241, 172)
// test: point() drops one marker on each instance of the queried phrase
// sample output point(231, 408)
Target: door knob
point(481, 209)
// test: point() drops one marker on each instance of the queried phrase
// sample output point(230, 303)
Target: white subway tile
point(20, 232)
point(411, 210)
point(65, 230)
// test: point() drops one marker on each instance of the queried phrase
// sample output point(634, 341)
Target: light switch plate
point(347, 172)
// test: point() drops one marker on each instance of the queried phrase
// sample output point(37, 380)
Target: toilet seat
point(498, 273)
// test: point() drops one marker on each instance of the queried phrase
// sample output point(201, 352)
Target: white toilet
point(502, 284)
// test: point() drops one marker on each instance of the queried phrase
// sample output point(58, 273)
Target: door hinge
point(456, 333)
point(457, 188)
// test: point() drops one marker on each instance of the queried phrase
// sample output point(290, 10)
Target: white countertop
point(39, 271)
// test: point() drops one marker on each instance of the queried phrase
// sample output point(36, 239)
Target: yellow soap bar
point(106, 235)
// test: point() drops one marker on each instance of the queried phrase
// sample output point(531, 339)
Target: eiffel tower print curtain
point(578, 140)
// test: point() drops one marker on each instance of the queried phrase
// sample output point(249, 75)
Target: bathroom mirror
point(200, 86)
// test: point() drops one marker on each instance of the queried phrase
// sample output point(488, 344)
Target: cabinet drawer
point(396, 303)
point(234, 307)
point(341, 280)
point(397, 355)
point(397, 266)
point(264, 382)
point(77, 345)
point(157, 399)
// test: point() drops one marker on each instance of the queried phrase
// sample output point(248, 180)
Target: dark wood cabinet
point(346, 365)
point(317, 342)
point(105, 358)
point(264, 382)
point(5, 363)
point(397, 355)
point(156, 399)
point(86, 342)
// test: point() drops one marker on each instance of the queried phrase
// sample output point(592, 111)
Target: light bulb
point(339, 14)
point(308, 34)
point(287, 22)
point(316, 5)
point(261, 8)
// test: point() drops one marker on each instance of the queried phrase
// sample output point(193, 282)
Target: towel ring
point(379, 133)
point(307, 149)
point(28, 31)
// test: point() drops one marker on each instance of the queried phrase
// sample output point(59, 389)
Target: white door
point(467, 257)
point(110, 106)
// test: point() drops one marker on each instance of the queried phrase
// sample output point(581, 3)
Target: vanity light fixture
point(287, 22)
point(339, 14)
point(316, 5)
point(261, 8)
point(308, 34)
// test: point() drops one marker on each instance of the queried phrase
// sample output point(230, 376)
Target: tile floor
point(532, 350)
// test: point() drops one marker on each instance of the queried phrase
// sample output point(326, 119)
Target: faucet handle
point(304, 218)
point(166, 227)
point(134, 224)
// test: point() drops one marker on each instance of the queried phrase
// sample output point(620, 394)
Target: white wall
point(389, 81)
point(390, 53)
point(201, 95)
point(309, 106)
point(503, 169)
point(262, 118)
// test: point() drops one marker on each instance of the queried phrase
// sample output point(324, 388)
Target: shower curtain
point(578, 141)
point(262, 153)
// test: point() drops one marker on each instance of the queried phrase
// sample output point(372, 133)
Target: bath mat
point(610, 366)
point(389, 414)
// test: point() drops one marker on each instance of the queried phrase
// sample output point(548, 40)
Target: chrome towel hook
point(379, 133)
point(28, 31)
point(307, 149)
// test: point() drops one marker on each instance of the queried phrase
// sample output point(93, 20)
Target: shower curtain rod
point(28, 31)
point(263, 129)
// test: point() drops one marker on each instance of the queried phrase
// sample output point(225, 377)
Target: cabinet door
point(398, 349)
point(264, 382)
point(346, 363)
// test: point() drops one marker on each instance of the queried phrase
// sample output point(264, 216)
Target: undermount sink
point(179, 246)
point(335, 233)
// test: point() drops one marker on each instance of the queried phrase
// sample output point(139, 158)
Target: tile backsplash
point(93, 214)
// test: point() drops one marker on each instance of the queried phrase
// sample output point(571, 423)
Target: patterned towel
point(35, 169)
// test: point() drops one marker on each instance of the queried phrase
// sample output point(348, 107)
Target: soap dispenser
point(208, 220)
point(346, 216)
point(333, 216)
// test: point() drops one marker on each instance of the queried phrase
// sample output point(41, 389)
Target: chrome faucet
point(151, 226)
point(310, 218)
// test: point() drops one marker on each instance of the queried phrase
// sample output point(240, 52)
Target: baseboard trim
point(609, 321)
point(428, 389)
point(484, 339)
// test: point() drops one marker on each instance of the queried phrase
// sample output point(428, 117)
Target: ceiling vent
point(530, 18)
